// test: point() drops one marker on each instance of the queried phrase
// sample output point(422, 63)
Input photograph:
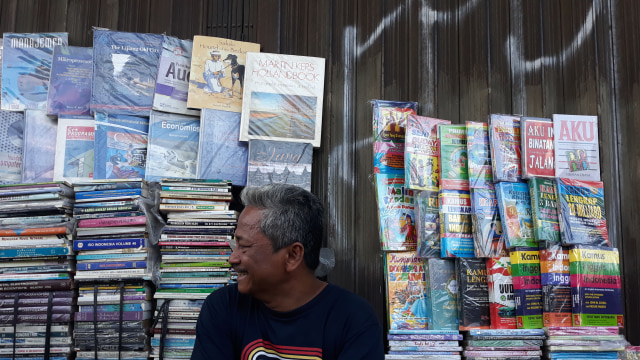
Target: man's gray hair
point(289, 214)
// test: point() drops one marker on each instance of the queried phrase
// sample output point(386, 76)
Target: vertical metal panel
point(163, 15)
point(267, 24)
point(8, 15)
point(427, 73)
point(529, 59)
point(81, 17)
point(499, 61)
point(447, 61)
point(552, 49)
point(109, 14)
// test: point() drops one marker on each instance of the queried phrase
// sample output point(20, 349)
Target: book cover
point(218, 78)
point(595, 286)
point(389, 130)
point(120, 146)
point(70, 82)
point(422, 153)
point(487, 226)
point(537, 148)
point(172, 81)
point(74, 149)
point(283, 99)
point(125, 66)
point(577, 155)
point(581, 212)
point(279, 162)
point(527, 289)
point(11, 146)
point(405, 278)
point(556, 284)
point(473, 294)
point(221, 154)
point(173, 146)
point(454, 170)
point(544, 207)
point(427, 213)
point(456, 229)
point(502, 307)
point(26, 66)
point(504, 140)
point(479, 155)
point(395, 213)
point(39, 141)
point(442, 294)
point(514, 203)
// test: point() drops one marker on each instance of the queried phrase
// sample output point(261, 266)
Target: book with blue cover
point(487, 227)
point(456, 230)
point(514, 203)
point(221, 154)
point(442, 292)
point(120, 146)
point(504, 138)
point(396, 214)
point(172, 82)
point(104, 244)
point(125, 66)
point(11, 146)
point(479, 155)
point(173, 146)
point(422, 153)
point(581, 212)
point(40, 133)
point(70, 82)
point(26, 66)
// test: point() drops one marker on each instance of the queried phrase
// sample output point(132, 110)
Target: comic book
point(395, 213)
point(487, 227)
point(74, 149)
point(537, 148)
point(40, 132)
point(389, 130)
point(525, 272)
point(427, 213)
point(504, 137)
point(456, 230)
point(514, 203)
point(544, 208)
point(479, 155)
point(70, 83)
point(422, 153)
point(581, 212)
point(11, 146)
point(502, 307)
point(172, 81)
point(406, 297)
point(454, 172)
point(577, 155)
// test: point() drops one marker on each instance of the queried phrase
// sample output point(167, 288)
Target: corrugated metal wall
point(460, 59)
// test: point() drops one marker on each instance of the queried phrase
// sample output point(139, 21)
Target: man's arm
point(213, 340)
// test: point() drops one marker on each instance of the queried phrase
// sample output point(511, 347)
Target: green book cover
point(454, 170)
point(544, 210)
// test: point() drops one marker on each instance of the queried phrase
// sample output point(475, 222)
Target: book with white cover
point(576, 147)
point(74, 149)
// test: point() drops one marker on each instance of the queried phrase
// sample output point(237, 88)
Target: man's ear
point(294, 256)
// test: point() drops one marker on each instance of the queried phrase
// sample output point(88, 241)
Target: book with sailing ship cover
point(11, 146)
point(389, 125)
point(422, 153)
point(577, 155)
point(406, 301)
point(279, 162)
point(395, 213)
point(581, 212)
point(172, 82)
point(74, 149)
point(70, 83)
point(40, 132)
point(504, 138)
point(283, 98)
point(537, 148)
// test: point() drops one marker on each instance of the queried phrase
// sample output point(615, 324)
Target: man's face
point(215, 57)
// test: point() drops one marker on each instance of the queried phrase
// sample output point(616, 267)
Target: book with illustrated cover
point(487, 227)
point(11, 146)
point(406, 300)
point(556, 284)
point(502, 307)
point(283, 98)
point(527, 289)
point(279, 162)
point(577, 155)
point(1, 51)
point(454, 171)
point(504, 140)
point(456, 229)
point(544, 206)
point(473, 294)
point(172, 82)
point(219, 73)
point(427, 213)
point(120, 146)
point(26, 66)
point(537, 148)
point(221, 154)
point(125, 66)
point(479, 155)
point(74, 149)
point(389, 130)
point(39, 154)
point(442, 294)
point(70, 82)
point(422, 153)
point(581, 212)
point(173, 146)
point(514, 203)
point(395, 213)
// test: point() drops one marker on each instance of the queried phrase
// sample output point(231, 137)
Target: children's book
point(172, 81)
point(70, 83)
point(125, 66)
point(502, 307)
point(279, 162)
point(120, 146)
point(11, 146)
point(456, 230)
point(581, 212)
point(283, 98)
point(221, 154)
point(525, 272)
point(395, 213)
point(454, 171)
point(442, 294)
point(544, 206)
point(220, 71)
point(74, 149)
point(422, 153)
point(577, 155)
point(173, 146)
point(406, 297)
point(26, 66)
point(504, 138)
point(39, 154)
point(427, 214)
point(487, 227)
point(514, 203)
point(479, 156)
point(537, 148)
point(389, 130)
point(473, 294)
point(556, 284)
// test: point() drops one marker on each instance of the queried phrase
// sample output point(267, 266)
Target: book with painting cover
point(502, 307)
point(422, 153)
point(581, 212)
point(74, 149)
point(11, 146)
point(26, 67)
point(442, 293)
point(514, 203)
point(389, 130)
point(556, 284)
point(504, 140)
point(406, 301)
point(527, 288)
point(39, 153)
point(221, 155)
point(456, 230)
point(473, 294)
point(172, 82)
point(479, 155)
point(125, 66)
point(537, 148)
point(395, 213)
point(70, 82)
point(283, 98)
point(544, 206)
point(487, 226)
point(577, 155)
point(173, 146)
point(279, 162)
point(427, 213)
point(454, 170)
point(219, 73)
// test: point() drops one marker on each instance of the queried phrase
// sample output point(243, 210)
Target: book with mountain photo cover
point(279, 162)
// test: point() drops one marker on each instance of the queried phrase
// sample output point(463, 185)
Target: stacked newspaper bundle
point(111, 241)
point(584, 342)
point(195, 252)
point(424, 344)
point(522, 344)
point(36, 296)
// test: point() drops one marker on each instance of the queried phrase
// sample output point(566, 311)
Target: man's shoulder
point(347, 300)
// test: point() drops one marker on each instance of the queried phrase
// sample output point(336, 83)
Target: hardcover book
point(279, 162)
point(172, 81)
point(581, 212)
point(442, 294)
point(389, 128)
point(456, 229)
point(537, 148)
point(70, 82)
point(577, 155)
point(514, 203)
point(487, 227)
point(479, 155)
point(427, 213)
point(473, 294)
point(283, 99)
point(40, 131)
point(525, 272)
point(120, 146)
point(454, 172)
point(422, 153)
point(173, 146)
point(11, 146)
point(544, 206)
point(218, 73)
point(26, 66)
point(125, 66)
point(556, 284)
point(395, 213)
point(504, 138)
point(502, 307)
point(221, 154)
point(405, 275)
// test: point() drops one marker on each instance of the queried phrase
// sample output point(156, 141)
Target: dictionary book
point(537, 148)
point(473, 294)
point(427, 214)
point(454, 173)
point(70, 83)
point(479, 155)
point(172, 82)
point(40, 132)
point(556, 284)
point(279, 162)
point(405, 275)
point(422, 153)
point(577, 155)
point(514, 203)
point(544, 206)
point(11, 146)
point(525, 272)
point(456, 230)
point(504, 138)
point(74, 149)
point(581, 212)
point(487, 226)
point(389, 130)
point(396, 215)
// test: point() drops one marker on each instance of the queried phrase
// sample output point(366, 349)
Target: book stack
point(521, 344)
point(195, 249)
point(586, 342)
point(36, 296)
point(424, 344)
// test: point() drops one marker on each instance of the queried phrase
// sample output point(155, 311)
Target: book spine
point(102, 209)
point(33, 252)
point(191, 207)
point(107, 193)
point(36, 318)
point(201, 223)
point(118, 221)
point(111, 265)
point(194, 243)
point(84, 245)
point(34, 231)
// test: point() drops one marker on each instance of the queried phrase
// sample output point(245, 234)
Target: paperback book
point(442, 294)
point(504, 138)
point(556, 284)
point(581, 212)
point(406, 286)
point(454, 172)
point(514, 203)
point(11, 146)
point(502, 307)
point(279, 162)
point(39, 154)
point(537, 148)
point(172, 81)
point(525, 272)
point(577, 155)
point(473, 294)
point(422, 153)
point(456, 229)
point(70, 82)
point(479, 155)
point(487, 227)
point(544, 206)
point(427, 213)
point(395, 213)
point(389, 129)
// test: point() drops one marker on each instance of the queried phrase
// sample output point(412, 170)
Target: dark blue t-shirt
point(336, 324)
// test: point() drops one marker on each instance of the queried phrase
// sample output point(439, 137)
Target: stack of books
point(522, 344)
point(424, 344)
point(584, 342)
point(195, 249)
point(36, 259)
